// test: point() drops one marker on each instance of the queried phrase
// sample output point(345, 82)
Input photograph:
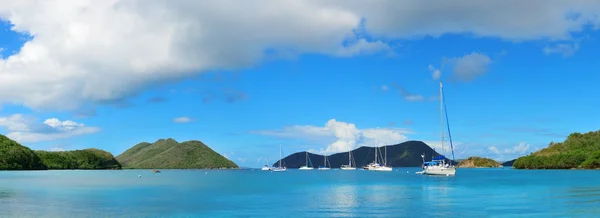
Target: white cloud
point(521, 149)
point(182, 120)
point(341, 136)
point(470, 66)
point(564, 49)
point(385, 88)
point(435, 73)
point(57, 149)
point(26, 129)
point(69, 62)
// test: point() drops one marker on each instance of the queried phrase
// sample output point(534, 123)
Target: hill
point(169, 154)
point(14, 156)
point(478, 162)
point(577, 151)
point(406, 154)
point(509, 163)
point(78, 159)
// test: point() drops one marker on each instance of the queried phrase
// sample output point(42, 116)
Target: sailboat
point(376, 166)
point(324, 167)
point(280, 168)
point(349, 166)
point(438, 165)
point(306, 167)
point(266, 167)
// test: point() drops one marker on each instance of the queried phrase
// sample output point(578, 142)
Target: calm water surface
point(336, 193)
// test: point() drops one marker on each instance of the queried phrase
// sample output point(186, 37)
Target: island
point(405, 154)
point(170, 154)
point(478, 162)
point(578, 151)
point(14, 156)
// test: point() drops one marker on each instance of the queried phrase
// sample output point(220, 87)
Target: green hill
point(478, 162)
point(14, 156)
point(79, 159)
point(577, 151)
point(169, 154)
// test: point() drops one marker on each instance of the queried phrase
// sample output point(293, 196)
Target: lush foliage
point(14, 156)
point(577, 151)
point(79, 159)
point(478, 162)
point(169, 154)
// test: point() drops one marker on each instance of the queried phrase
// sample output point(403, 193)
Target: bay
point(500, 192)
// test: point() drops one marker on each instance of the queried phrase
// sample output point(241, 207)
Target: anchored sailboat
point(375, 166)
point(349, 166)
point(280, 168)
point(324, 167)
point(438, 165)
point(306, 167)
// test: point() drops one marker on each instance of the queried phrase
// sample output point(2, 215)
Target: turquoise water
point(336, 193)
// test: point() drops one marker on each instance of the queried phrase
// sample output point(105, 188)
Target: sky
point(319, 76)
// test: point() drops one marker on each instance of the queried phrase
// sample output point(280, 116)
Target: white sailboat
point(375, 166)
point(266, 167)
point(438, 165)
point(306, 167)
point(349, 166)
point(324, 167)
point(384, 167)
point(280, 168)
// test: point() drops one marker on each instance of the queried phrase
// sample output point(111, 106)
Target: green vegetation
point(14, 156)
point(477, 162)
point(577, 151)
point(79, 159)
point(169, 154)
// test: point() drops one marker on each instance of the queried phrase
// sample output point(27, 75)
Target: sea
point(499, 192)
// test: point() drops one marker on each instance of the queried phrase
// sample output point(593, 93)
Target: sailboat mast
point(280, 155)
point(306, 152)
point(385, 158)
point(442, 118)
point(350, 158)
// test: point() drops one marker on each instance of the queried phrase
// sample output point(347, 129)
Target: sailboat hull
point(306, 168)
point(324, 168)
point(439, 171)
point(348, 168)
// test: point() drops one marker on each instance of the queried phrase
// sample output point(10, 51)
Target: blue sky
point(317, 83)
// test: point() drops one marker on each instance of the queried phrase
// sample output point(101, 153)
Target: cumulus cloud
point(340, 136)
point(564, 49)
point(182, 120)
point(68, 61)
point(470, 66)
point(25, 129)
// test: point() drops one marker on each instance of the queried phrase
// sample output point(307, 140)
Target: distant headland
point(578, 151)
point(478, 162)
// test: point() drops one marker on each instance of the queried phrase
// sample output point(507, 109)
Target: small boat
point(155, 171)
point(324, 167)
point(349, 166)
point(375, 166)
point(266, 167)
point(280, 168)
point(306, 167)
point(438, 165)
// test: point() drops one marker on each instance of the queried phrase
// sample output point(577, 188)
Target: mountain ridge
point(405, 154)
point(170, 154)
